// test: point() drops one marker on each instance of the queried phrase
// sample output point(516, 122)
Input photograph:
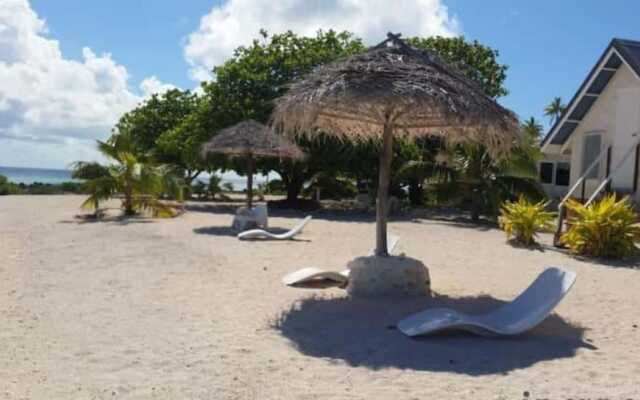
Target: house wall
point(611, 123)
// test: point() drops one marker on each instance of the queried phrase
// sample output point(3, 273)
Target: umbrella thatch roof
point(412, 90)
point(251, 138)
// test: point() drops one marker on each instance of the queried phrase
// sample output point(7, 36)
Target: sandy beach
point(181, 309)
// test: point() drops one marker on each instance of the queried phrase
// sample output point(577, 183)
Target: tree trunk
point(294, 187)
point(384, 179)
point(416, 192)
point(190, 176)
point(128, 203)
point(250, 167)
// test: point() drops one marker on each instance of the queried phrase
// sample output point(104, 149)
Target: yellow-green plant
point(606, 228)
point(522, 219)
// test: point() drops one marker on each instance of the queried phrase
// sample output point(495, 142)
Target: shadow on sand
point(362, 333)
point(108, 219)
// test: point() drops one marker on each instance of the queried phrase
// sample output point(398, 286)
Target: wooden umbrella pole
point(250, 167)
point(384, 179)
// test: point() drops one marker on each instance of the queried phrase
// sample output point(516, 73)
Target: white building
point(594, 146)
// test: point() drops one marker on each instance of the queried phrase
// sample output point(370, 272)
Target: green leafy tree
point(246, 85)
point(554, 110)
point(475, 60)
point(149, 124)
point(485, 183)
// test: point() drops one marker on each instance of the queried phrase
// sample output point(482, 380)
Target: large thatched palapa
point(393, 89)
point(250, 139)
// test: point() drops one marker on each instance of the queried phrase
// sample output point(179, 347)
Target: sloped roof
point(618, 51)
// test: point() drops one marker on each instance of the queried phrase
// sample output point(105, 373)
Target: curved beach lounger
point(262, 234)
point(525, 312)
point(316, 278)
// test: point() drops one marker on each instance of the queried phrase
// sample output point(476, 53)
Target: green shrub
point(606, 228)
point(7, 187)
point(522, 219)
point(331, 187)
point(276, 186)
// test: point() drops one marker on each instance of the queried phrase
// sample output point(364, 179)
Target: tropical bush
point(606, 228)
point(522, 219)
point(7, 187)
point(275, 186)
point(331, 187)
point(139, 181)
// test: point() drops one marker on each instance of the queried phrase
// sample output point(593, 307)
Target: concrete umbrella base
point(391, 276)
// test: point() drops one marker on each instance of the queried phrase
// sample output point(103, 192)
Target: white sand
point(179, 309)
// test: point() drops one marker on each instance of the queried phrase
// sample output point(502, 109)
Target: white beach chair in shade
point(262, 234)
point(525, 312)
point(316, 278)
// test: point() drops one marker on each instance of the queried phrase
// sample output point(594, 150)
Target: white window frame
point(555, 172)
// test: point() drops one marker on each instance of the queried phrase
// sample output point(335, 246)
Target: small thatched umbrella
point(393, 89)
point(251, 139)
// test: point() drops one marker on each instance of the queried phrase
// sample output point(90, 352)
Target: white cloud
point(152, 85)
point(51, 108)
point(237, 22)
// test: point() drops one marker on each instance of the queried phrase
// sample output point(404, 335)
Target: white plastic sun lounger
point(525, 312)
point(262, 234)
point(316, 278)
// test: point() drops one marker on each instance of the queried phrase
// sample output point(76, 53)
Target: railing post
point(583, 194)
point(636, 168)
point(562, 214)
point(608, 170)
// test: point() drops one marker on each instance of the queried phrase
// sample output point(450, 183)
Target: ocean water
point(55, 176)
point(31, 175)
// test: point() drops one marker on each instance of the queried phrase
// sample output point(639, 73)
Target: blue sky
point(549, 46)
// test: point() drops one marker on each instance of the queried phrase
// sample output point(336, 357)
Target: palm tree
point(140, 182)
point(532, 130)
point(98, 183)
point(485, 183)
point(554, 110)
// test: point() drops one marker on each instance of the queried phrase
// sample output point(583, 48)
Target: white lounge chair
point(316, 278)
point(525, 312)
point(262, 234)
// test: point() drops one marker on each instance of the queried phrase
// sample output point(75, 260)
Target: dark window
point(563, 172)
point(546, 172)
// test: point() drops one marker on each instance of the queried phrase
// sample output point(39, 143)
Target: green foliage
point(141, 182)
point(150, 128)
point(275, 186)
point(7, 187)
point(88, 170)
point(216, 188)
point(248, 83)
point(477, 61)
point(228, 187)
point(522, 220)
point(331, 187)
point(606, 228)
point(484, 183)
point(199, 189)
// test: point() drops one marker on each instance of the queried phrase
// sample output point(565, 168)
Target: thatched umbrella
point(251, 139)
point(393, 89)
